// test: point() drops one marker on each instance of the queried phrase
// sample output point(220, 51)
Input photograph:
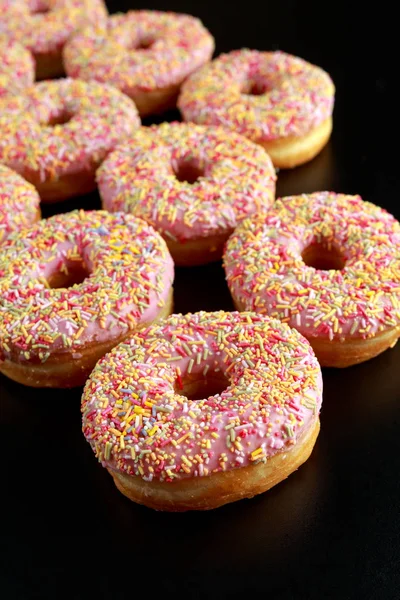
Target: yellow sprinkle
point(256, 453)
point(182, 438)
point(115, 431)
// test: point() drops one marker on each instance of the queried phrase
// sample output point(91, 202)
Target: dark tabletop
point(331, 530)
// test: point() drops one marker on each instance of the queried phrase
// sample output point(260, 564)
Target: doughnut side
point(191, 253)
point(154, 101)
point(64, 370)
point(63, 187)
point(213, 491)
point(197, 252)
point(290, 152)
point(349, 352)
point(353, 351)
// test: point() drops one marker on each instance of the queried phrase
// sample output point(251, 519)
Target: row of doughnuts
point(277, 100)
point(61, 161)
point(327, 264)
point(93, 285)
point(348, 309)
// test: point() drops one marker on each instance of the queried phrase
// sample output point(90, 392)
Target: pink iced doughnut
point(327, 264)
point(43, 27)
point(17, 67)
point(146, 54)
point(58, 132)
point(72, 287)
point(169, 449)
point(19, 203)
point(192, 183)
point(277, 100)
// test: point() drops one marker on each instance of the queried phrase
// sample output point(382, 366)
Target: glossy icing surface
point(63, 126)
point(19, 202)
point(265, 270)
point(137, 421)
point(236, 178)
point(262, 95)
point(140, 50)
point(128, 269)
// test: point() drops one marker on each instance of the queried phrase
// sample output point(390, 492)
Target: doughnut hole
point(122, 33)
point(255, 87)
point(188, 171)
point(200, 387)
point(323, 257)
point(39, 7)
point(69, 273)
point(60, 118)
point(142, 41)
point(145, 43)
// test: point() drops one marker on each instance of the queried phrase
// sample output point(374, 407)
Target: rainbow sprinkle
point(140, 50)
point(139, 177)
point(138, 423)
point(17, 68)
point(129, 276)
point(19, 203)
point(266, 273)
point(291, 95)
point(99, 117)
point(43, 26)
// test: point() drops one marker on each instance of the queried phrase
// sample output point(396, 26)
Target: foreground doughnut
point(17, 68)
point(72, 287)
point(192, 183)
point(146, 54)
point(19, 203)
point(277, 100)
point(58, 132)
point(170, 450)
point(327, 264)
point(43, 27)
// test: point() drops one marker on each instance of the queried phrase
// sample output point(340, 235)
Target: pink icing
point(140, 50)
point(130, 273)
point(137, 422)
point(266, 273)
point(98, 118)
point(291, 97)
point(237, 179)
point(44, 26)
point(17, 68)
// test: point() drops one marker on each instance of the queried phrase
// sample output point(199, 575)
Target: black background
point(332, 529)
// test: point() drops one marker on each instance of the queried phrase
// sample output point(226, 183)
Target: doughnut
point(17, 68)
point(204, 409)
point(58, 132)
point(73, 286)
point(43, 27)
point(192, 183)
point(327, 264)
point(19, 203)
point(275, 99)
point(145, 54)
